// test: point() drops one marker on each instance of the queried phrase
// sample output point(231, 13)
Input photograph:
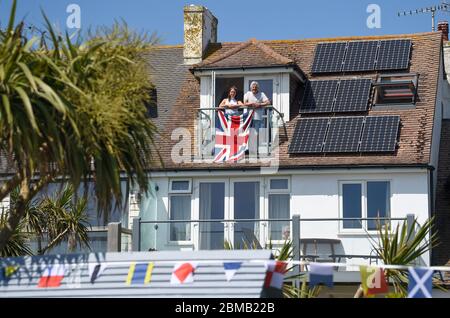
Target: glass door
point(245, 205)
point(262, 119)
point(212, 196)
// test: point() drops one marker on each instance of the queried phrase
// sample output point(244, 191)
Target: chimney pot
point(200, 29)
point(443, 27)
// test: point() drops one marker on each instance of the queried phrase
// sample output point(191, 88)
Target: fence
point(254, 234)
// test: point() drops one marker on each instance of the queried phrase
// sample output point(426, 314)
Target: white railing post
point(136, 235)
point(114, 238)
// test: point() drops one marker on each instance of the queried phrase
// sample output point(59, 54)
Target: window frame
point(179, 242)
point(364, 208)
point(270, 191)
point(413, 79)
point(189, 190)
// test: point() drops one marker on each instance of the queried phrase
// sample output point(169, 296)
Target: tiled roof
point(183, 91)
point(251, 53)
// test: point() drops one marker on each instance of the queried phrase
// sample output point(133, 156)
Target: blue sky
point(238, 19)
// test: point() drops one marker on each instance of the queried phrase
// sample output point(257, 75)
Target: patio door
point(224, 202)
point(245, 204)
point(213, 198)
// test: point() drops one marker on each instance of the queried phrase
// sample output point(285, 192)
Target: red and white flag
point(183, 273)
point(275, 274)
point(52, 276)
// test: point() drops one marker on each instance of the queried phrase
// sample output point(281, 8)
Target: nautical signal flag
point(140, 273)
point(231, 268)
point(373, 280)
point(420, 283)
point(275, 274)
point(95, 270)
point(320, 274)
point(7, 271)
point(52, 276)
point(183, 273)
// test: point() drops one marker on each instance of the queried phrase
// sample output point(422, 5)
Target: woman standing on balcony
point(231, 104)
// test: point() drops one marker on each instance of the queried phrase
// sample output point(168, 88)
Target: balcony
point(308, 244)
point(262, 143)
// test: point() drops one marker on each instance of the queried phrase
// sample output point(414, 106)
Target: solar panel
point(393, 54)
point(309, 135)
point(343, 134)
point(319, 96)
point(328, 57)
point(360, 56)
point(380, 134)
point(353, 95)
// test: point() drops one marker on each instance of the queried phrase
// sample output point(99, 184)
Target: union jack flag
point(232, 133)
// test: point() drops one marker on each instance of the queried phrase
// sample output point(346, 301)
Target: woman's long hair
point(229, 92)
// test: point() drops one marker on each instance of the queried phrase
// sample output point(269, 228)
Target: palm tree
point(63, 218)
point(73, 109)
point(402, 246)
point(54, 219)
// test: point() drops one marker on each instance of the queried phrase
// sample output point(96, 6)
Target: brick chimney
point(200, 29)
point(443, 27)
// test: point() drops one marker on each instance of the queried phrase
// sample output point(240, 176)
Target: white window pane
point(279, 208)
point(278, 184)
point(378, 202)
point(265, 86)
point(180, 185)
point(351, 205)
point(180, 209)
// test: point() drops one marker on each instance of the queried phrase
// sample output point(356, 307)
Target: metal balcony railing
point(308, 242)
point(261, 143)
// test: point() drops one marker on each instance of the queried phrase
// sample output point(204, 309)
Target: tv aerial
point(444, 6)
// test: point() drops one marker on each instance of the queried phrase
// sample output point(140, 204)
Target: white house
point(354, 132)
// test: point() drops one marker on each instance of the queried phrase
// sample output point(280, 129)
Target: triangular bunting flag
point(420, 283)
point(52, 276)
point(373, 280)
point(275, 274)
point(231, 268)
point(320, 274)
point(183, 273)
point(95, 270)
point(140, 273)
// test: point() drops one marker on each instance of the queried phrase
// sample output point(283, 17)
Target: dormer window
point(395, 89)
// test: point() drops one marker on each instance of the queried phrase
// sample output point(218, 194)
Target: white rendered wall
point(316, 195)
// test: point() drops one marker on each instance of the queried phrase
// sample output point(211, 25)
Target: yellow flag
point(10, 270)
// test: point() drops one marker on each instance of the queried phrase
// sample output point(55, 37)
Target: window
point(180, 209)
point(222, 86)
point(180, 186)
point(378, 202)
point(279, 208)
point(395, 89)
point(365, 199)
point(351, 204)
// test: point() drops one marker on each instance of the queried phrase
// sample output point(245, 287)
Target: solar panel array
point(329, 57)
point(345, 134)
point(336, 96)
point(319, 96)
point(358, 56)
point(309, 135)
point(361, 56)
point(353, 95)
point(393, 55)
point(380, 133)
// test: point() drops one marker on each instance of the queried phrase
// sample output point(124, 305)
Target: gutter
point(303, 167)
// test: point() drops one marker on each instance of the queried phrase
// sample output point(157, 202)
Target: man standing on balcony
point(257, 100)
